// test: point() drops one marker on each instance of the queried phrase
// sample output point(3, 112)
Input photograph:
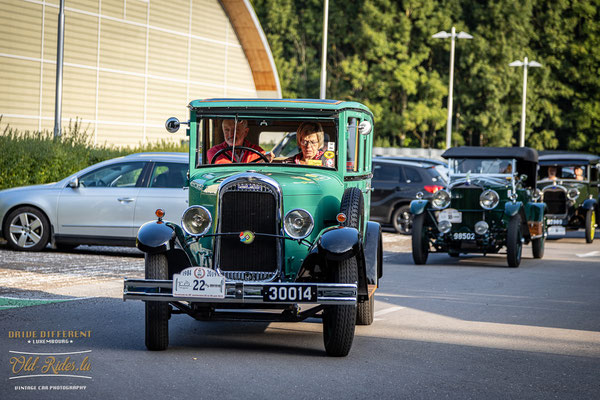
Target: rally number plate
point(557, 230)
point(450, 214)
point(199, 282)
point(299, 293)
point(463, 236)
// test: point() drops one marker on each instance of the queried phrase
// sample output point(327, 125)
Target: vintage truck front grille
point(556, 201)
point(249, 205)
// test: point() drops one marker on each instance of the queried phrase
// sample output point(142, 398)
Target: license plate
point(557, 230)
point(450, 214)
point(554, 221)
point(290, 293)
point(463, 236)
point(199, 282)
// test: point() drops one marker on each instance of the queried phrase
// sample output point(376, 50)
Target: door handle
point(125, 200)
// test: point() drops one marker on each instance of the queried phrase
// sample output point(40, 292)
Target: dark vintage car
point(395, 184)
point(569, 183)
point(489, 204)
point(269, 241)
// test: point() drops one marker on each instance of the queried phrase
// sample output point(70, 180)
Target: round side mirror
point(524, 177)
point(365, 127)
point(172, 125)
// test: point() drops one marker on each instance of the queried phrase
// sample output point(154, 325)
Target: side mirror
point(365, 127)
point(172, 125)
point(73, 183)
point(523, 177)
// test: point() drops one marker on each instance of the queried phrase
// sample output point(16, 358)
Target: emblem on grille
point(246, 237)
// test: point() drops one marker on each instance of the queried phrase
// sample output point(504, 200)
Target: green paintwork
point(511, 209)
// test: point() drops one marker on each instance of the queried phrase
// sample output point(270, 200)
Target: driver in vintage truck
point(264, 239)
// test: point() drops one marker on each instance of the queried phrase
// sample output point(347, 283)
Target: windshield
point(488, 166)
point(575, 172)
point(311, 143)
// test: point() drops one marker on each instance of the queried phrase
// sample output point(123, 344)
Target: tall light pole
point(59, 70)
point(453, 35)
point(324, 51)
point(525, 63)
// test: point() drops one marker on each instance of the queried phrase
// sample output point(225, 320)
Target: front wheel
point(514, 245)
point(402, 220)
point(339, 321)
point(157, 312)
point(420, 241)
point(27, 229)
point(590, 226)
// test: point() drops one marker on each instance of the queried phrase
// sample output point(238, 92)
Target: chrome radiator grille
point(248, 205)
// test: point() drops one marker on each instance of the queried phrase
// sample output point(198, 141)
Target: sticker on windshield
point(329, 154)
point(314, 162)
point(331, 146)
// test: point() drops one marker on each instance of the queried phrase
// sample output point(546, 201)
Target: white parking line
point(590, 254)
point(387, 311)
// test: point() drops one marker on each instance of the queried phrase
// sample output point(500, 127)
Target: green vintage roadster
point(268, 238)
point(491, 202)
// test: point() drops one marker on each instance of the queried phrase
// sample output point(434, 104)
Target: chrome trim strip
point(272, 186)
point(238, 292)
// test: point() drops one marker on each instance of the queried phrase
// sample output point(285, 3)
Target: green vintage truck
point(268, 239)
point(491, 202)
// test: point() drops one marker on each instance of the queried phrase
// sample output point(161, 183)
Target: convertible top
point(568, 158)
point(519, 153)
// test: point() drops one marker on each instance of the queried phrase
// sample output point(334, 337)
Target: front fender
point(418, 206)
point(535, 211)
point(511, 209)
point(339, 243)
point(155, 237)
point(589, 204)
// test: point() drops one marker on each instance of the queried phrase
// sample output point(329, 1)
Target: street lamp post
point(324, 51)
point(525, 63)
point(453, 35)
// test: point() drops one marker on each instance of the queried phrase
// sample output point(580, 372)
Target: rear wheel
point(157, 312)
point(339, 321)
point(420, 241)
point(402, 220)
point(590, 226)
point(537, 247)
point(365, 311)
point(27, 229)
point(514, 245)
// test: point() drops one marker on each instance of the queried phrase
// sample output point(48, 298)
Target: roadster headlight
point(298, 223)
point(441, 199)
point(489, 199)
point(573, 193)
point(196, 221)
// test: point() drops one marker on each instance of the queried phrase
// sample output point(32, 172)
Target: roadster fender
point(155, 237)
point(338, 243)
point(373, 253)
point(511, 209)
point(589, 204)
point(418, 206)
point(535, 211)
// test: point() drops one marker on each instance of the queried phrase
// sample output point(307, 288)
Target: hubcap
point(26, 230)
point(404, 222)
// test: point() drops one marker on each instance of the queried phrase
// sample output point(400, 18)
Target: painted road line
point(388, 311)
point(15, 302)
point(590, 254)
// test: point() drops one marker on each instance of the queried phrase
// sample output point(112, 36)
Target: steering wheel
point(230, 148)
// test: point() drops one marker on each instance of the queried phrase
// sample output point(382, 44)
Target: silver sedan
point(104, 204)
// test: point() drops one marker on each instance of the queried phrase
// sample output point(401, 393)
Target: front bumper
point(238, 292)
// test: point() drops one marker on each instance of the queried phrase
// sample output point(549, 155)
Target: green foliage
point(29, 158)
point(381, 53)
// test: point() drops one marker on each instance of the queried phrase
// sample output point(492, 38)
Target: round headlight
point(444, 226)
point(298, 224)
point(489, 199)
point(196, 221)
point(573, 193)
point(481, 227)
point(441, 199)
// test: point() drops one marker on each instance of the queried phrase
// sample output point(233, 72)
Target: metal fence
point(408, 152)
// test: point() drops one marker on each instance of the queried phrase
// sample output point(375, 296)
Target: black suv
point(395, 183)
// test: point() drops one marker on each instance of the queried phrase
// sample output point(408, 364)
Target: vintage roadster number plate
point(290, 293)
point(450, 214)
point(199, 282)
point(557, 230)
point(463, 236)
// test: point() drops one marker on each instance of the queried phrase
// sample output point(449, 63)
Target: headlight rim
point(497, 201)
point(577, 193)
point(308, 232)
point(446, 205)
point(209, 221)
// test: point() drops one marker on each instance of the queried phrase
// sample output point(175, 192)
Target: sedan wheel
point(402, 220)
point(27, 229)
